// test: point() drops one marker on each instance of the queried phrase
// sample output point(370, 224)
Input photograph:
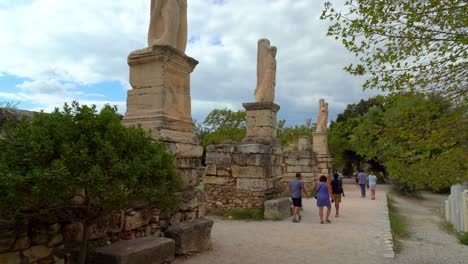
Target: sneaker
point(328, 221)
point(300, 217)
point(295, 220)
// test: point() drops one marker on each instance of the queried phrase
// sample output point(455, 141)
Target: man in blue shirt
point(362, 180)
point(296, 187)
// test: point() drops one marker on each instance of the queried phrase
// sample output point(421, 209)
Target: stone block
point(254, 185)
point(136, 219)
point(73, 232)
point(147, 250)
point(218, 158)
point(10, 258)
point(277, 150)
point(248, 172)
point(188, 150)
point(191, 236)
point(22, 243)
point(112, 223)
point(277, 209)
point(189, 163)
point(254, 148)
point(210, 169)
point(267, 121)
point(250, 159)
point(223, 172)
point(216, 180)
point(36, 253)
point(190, 177)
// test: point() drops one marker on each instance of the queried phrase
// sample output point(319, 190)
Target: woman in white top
point(372, 184)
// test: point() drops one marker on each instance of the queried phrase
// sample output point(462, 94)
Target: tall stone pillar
point(160, 102)
point(320, 142)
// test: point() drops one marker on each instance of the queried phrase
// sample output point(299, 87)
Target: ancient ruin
point(320, 146)
point(246, 175)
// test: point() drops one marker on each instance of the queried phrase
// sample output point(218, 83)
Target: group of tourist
point(328, 192)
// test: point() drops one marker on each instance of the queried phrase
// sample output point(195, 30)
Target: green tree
point(345, 157)
point(411, 45)
point(290, 134)
point(420, 139)
point(46, 162)
point(222, 125)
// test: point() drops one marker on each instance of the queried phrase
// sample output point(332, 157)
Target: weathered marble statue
point(266, 72)
point(168, 24)
point(322, 116)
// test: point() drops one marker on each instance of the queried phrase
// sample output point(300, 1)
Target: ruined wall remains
point(241, 175)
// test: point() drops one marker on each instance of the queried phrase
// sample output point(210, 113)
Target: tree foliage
point(290, 134)
point(345, 156)
point(418, 139)
point(48, 161)
point(222, 125)
point(411, 45)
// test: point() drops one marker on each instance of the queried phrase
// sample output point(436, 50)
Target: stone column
point(261, 123)
point(160, 101)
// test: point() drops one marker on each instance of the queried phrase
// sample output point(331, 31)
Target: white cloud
point(81, 42)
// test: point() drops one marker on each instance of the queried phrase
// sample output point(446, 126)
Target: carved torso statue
point(168, 23)
point(266, 72)
point(322, 116)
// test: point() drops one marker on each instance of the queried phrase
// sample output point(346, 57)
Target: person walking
point(324, 194)
point(296, 188)
point(362, 180)
point(372, 184)
point(337, 190)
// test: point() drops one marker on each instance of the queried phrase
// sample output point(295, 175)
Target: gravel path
point(428, 243)
point(357, 236)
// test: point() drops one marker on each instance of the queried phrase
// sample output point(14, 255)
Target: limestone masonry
point(246, 175)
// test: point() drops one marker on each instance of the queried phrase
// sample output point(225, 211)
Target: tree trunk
point(84, 244)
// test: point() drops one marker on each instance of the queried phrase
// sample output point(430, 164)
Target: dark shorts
point(297, 202)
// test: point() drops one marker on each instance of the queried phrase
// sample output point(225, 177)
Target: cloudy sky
point(56, 51)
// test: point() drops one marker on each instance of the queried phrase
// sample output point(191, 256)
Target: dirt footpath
point(429, 243)
point(356, 237)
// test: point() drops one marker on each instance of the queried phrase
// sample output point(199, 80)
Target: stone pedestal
point(160, 96)
point(320, 145)
point(324, 160)
point(261, 123)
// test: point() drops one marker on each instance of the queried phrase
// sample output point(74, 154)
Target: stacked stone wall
point(300, 161)
point(241, 176)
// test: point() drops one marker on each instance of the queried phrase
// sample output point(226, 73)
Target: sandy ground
point(357, 236)
point(428, 242)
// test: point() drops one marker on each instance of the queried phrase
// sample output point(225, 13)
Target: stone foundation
point(241, 176)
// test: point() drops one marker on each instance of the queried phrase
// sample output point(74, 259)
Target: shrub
point(46, 162)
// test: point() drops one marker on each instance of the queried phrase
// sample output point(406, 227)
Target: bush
point(46, 162)
point(463, 238)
